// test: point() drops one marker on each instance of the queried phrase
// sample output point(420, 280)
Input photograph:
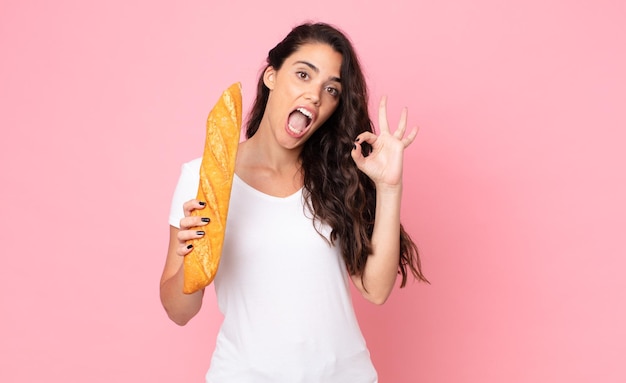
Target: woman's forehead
point(321, 56)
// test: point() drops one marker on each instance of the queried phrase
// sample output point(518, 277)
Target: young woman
point(315, 202)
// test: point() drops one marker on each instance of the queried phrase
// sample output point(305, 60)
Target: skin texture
point(270, 162)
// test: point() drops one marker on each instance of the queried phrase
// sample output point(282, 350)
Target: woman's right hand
point(190, 226)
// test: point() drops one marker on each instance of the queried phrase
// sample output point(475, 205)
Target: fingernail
point(357, 139)
point(200, 232)
point(205, 219)
point(189, 246)
point(353, 146)
point(202, 203)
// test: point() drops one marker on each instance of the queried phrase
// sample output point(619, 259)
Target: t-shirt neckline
point(257, 191)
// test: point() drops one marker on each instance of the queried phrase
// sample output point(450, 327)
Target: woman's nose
point(313, 94)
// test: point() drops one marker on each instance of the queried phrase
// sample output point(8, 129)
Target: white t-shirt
point(284, 292)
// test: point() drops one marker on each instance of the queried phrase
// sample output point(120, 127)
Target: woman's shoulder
point(192, 166)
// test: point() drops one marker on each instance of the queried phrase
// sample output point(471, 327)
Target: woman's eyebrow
point(316, 69)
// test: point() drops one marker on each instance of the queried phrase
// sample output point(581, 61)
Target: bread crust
point(217, 170)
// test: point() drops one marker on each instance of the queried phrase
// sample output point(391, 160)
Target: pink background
point(514, 189)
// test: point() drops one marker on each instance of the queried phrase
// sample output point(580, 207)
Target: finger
point(184, 249)
point(409, 139)
point(382, 115)
point(399, 133)
point(368, 137)
point(188, 235)
point(192, 205)
point(193, 221)
point(357, 154)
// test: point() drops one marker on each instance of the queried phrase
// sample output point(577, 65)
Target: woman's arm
point(180, 307)
point(384, 166)
point(381, 269)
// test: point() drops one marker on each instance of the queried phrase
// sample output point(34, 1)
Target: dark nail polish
point(200, 232)
point(357, 139)
point(205, 219)
point(202, 203)
point(189, 246)
point(353, 146)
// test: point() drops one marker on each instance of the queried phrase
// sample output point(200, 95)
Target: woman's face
point(303, 93)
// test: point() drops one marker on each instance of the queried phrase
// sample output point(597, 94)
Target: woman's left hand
point(384, 164)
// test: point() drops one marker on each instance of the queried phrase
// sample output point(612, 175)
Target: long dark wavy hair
point(338, 193)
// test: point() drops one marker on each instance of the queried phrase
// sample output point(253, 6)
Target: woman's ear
point(269, 76)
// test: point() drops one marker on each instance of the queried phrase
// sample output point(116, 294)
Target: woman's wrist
point(391, 189)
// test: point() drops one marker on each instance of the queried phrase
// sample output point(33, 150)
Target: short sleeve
point(186, 189)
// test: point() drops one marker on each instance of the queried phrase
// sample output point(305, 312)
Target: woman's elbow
point(378, 299)
point(182, 309)
point(179, 319)
point(376, 296)
point(179, 315)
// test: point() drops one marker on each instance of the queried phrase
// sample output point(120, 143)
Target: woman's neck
point(267, 152)
point(268, 167)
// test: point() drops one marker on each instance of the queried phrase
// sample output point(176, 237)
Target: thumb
point(357, 155)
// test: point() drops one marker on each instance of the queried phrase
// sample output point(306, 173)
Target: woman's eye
point(302, 75)
point(333, 91)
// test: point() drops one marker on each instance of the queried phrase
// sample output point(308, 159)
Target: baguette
point(216, 179)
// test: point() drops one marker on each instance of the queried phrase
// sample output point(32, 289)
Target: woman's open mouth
point(299, 122)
